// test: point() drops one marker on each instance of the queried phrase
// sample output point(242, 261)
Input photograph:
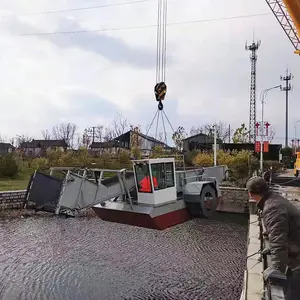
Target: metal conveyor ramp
point(78, 190)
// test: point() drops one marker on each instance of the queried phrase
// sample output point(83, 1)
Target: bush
point(8, 166)
point(241, 164)
point(275, 165)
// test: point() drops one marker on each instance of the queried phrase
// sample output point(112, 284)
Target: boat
point(153, 195)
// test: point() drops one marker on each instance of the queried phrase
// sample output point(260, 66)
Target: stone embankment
point(12, 199)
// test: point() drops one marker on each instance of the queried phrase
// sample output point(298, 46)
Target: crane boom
point(287, 13)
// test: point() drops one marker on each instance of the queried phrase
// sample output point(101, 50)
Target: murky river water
point(57, 258)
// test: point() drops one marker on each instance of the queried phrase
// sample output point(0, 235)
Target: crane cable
point(160, 88)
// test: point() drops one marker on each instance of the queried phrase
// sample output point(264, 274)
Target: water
point(57, 258)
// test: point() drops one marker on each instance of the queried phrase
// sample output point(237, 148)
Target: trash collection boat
point(154, 195)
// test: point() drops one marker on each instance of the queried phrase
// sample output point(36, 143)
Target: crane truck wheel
point(208, 201)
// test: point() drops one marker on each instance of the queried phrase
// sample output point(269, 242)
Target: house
point(6, 148)
point(40, 147)
point(126, 141)
point(199, 141)
point(112, 147)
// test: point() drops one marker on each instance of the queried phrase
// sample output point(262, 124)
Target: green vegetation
point(241, 164)
point(15, 170)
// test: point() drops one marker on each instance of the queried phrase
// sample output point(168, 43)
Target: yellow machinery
point(297, 164)
point(287, 13)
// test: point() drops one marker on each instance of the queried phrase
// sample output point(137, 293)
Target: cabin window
point(142, 174)
point(163, 173)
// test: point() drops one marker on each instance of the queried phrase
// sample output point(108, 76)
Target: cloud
point(89, 77)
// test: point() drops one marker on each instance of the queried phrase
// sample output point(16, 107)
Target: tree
point(196, 130)
point(271, 135)
point(66, 132)
point(178, 136)
point(119, 126)
point(223, 130)
point(46, 134)
point(23, 138)
point(241, 135)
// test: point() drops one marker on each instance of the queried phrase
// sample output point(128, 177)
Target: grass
point(11, 184)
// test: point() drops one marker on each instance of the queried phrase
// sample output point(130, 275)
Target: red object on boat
point(160, 222)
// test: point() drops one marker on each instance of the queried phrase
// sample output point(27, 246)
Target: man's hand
point(266, 251)
point(273, 274)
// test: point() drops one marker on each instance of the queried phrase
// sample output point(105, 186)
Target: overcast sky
point(88, 78)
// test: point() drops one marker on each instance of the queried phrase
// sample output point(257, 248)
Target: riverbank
point(13, 184)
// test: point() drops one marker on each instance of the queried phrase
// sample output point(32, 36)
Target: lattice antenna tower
point(252, 114)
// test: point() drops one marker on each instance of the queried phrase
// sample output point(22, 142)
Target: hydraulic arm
point(287, 13)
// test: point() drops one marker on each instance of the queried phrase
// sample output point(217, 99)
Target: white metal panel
point(165, 195)
point(146, 198)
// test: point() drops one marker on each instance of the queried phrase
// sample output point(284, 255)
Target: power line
point(75, 9)
point(142, 26)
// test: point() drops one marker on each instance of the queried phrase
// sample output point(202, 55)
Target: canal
point(86, 258)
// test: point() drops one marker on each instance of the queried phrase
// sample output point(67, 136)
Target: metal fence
point(274, 287)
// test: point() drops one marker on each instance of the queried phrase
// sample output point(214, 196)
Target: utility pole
point(287, 88)
point(229, 134)
point(252, 114)
point(215, 145)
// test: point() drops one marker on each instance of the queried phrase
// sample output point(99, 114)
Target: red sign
point(257, 126)
point(267, 128)
point(257, 147)
point(266, 146)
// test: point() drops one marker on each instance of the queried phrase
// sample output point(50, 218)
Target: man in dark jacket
point(282, 222)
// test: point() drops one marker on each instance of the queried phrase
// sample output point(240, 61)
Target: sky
point(88, 78)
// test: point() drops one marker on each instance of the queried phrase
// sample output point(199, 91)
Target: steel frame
point(282, 15)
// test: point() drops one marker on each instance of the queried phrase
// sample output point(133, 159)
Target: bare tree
point(196, 130)
point(271, 135)
point(66, 132)
point(23, 138)
point(1, 139)
point(223, 130)
point(119, 125)
point(46, 134)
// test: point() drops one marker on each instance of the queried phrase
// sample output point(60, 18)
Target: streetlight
point(295, 126)
point(263, 95)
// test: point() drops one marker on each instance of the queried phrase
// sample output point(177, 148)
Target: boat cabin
point(155, 181)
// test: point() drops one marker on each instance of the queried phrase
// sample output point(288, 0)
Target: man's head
point(257, 188)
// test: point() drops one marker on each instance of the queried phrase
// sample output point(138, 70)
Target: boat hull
point(160, 217)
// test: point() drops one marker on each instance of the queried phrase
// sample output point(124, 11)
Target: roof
point(44, 143)
point(147, 137)
point(196, 135)
point(6, 145)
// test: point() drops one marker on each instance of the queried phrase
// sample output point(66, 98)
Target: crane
point(287, 13)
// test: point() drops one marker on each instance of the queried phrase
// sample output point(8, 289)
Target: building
point(273, 154)
point(113, 147)
point(6, 148)
point(40, 147)
point(199, 141)
point(126, 141)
